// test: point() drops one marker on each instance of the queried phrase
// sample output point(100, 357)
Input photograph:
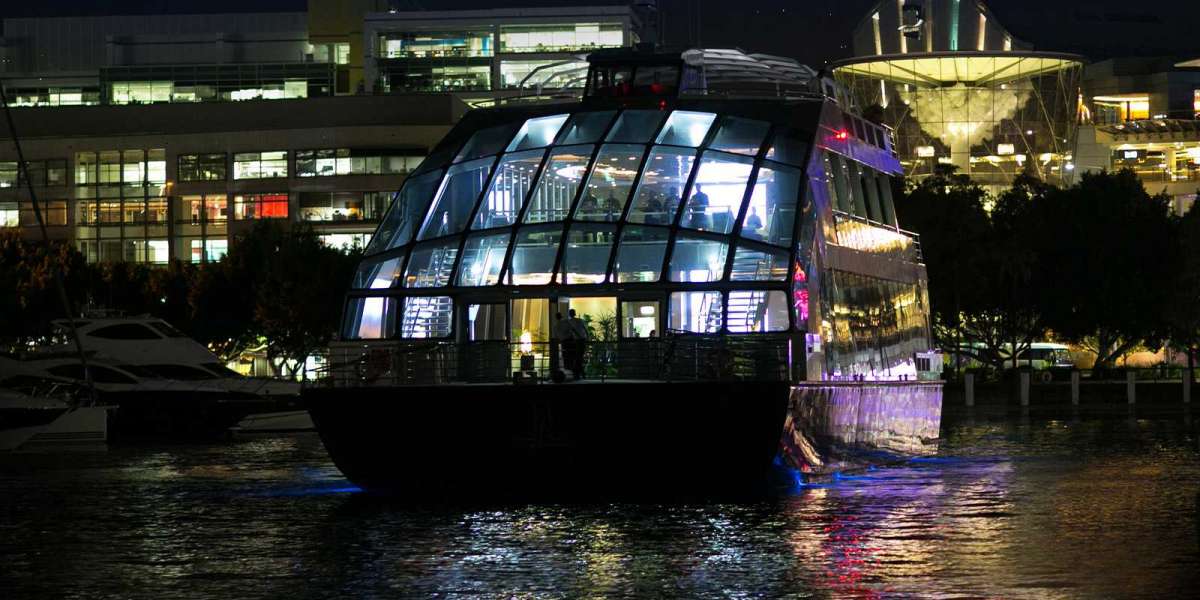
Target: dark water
point(1093, 508)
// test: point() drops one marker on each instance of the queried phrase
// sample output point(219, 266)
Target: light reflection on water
point(1016, 508)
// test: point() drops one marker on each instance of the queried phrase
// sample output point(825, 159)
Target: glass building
point(710, 218)
point(960, 91)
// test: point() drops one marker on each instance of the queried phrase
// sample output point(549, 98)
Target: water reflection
point(1015, 507)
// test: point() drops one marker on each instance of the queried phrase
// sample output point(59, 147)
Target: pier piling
point(1131, 387)
point(1024, 388)
point(1075, 387)
point(969, 383)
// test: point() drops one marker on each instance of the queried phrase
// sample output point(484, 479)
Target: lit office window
point(202, 167)
point(260, 206)
point(8, 174)
point(10, 214)
point(260, 165)
point(344, 161)
point(560, 37)
point(437, 44)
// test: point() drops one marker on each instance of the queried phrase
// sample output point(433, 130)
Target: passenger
point(753, 224)
point(589, 207)
point(578, 332)
point(653, 209)
point(698, 215)
point(611, 207)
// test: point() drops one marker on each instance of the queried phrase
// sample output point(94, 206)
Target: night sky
point(811, 31)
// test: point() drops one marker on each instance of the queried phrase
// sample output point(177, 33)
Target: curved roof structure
point(972, 68)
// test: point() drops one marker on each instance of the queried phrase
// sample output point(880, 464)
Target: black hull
point(507, 441)
point(15, 418)
point(178, 415)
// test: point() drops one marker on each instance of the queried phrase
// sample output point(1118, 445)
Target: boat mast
point(55, 269)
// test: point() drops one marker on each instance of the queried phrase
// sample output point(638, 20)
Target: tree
point(30, 301)
point(1180, 314)
point(1104, 262)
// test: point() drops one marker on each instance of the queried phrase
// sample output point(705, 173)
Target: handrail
point(676, 357)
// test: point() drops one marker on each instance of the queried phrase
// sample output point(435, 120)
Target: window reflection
point(558, 185)
point(456, 199)
point(636, 126)
point(697, 312)
point(370, 318)
point(757, 311)
point(718, 192)
point(430, 265)
point(513, 180)
point(771, 215)
point(486, 142)
point(640, 255)
point(686, 128)
point(611, 181)
point(698, 259)
point(378, 274)
point(757, 265)
point(587, 127)
point(482, 258)
point(588, 248)
point(534, 255)
point(876, 327)
point(406, 212)
point(742, 136)
point(537, 133)
point(664, 177)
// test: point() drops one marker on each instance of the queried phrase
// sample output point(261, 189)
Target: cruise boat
point(721, 223)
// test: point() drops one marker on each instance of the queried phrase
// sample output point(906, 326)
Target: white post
point(1024, 388)
point(1131, 386)
point(1075, 387)
point(969, 382)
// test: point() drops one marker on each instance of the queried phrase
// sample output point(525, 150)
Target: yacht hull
point(178, 414)
point(18, 425)
point(509, 441)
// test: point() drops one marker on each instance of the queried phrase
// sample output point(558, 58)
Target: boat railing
point(671, 358)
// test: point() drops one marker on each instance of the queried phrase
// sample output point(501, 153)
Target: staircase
point(746, 311)
point(750, 265)
point(427, 317)
point(714, 313)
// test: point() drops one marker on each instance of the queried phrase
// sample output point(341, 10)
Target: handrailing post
point(1024, 388)
point(969, 383)
point(1075, 387)
point(1131, 387)
point(1187, 386)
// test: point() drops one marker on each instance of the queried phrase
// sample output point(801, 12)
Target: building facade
point(150, 147)
point(962, 92)
point(155, 183)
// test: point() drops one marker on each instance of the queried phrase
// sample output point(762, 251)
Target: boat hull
point(178, 415)
point(510, 441)
point(514, 441)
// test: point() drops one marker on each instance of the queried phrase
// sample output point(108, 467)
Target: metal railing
point(671, 358)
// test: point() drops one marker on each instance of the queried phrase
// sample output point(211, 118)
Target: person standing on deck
point(576, 343)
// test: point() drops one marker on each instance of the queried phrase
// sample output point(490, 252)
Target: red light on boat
point(841, 134)
point(662, 105)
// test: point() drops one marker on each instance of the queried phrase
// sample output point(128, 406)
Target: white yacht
point(163, 351)
point(38, 411)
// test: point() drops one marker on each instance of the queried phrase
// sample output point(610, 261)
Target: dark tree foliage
point(29, 300)
point(1182, 304)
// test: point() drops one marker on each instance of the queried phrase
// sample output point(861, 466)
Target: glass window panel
point(585, 259)
point(533, 258)
point(587, 127)
point(663, 178)
point(697, 312)
point(456, 199)
point(757, 265)
point(640, 254)
point(430, 265)
point(482, 259)
point(406, 212)
point(506, 196)
point(636, 126)
point(789, 147)
point(686, 128)
point(697, 259)
point(717, 193)
point(610, 182)
point(370, 318)
point(639, 318)
point(487, 322)
point(486, 142)
point(743, 136)
point(559, 183)
point(757, 311)
point(427, 317)
point(379, 274)
point(771, 216)
point(537, 133)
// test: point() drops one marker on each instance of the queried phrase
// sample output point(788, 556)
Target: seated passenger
point(752, 225)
